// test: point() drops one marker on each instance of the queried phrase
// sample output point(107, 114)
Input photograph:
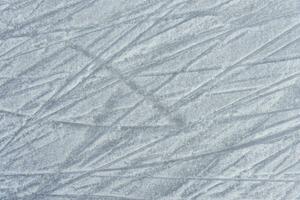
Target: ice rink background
point(149, 99)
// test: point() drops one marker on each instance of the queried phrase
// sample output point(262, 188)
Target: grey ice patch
point(153, 100)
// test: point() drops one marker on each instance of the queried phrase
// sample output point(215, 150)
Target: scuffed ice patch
point(149, 99)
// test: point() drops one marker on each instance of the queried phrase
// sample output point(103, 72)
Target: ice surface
point(149, 99)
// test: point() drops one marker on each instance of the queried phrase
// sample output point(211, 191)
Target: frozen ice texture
point(149, 99)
